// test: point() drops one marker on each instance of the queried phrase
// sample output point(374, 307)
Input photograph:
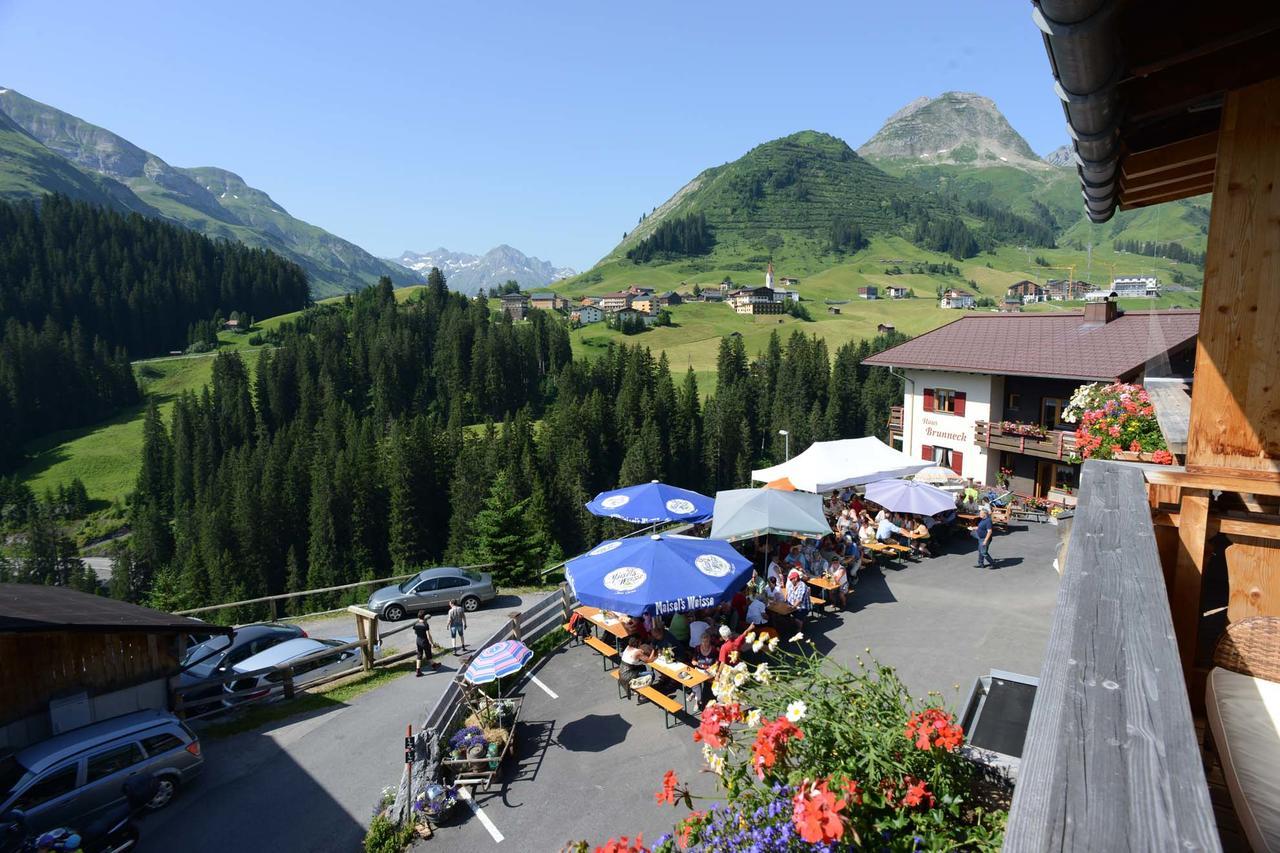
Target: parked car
point(74, 777)
point(213, 659)
point(289, 651)
point(430, 589)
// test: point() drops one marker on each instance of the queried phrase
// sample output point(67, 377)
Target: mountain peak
point(955, 127)
point(1063, 155)
point(467, 273)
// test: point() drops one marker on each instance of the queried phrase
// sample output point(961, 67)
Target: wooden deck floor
point(1233, 838)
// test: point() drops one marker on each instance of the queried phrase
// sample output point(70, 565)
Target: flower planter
point(1062, 497)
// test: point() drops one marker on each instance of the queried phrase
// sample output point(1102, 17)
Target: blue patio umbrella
point(661, 574)
point(911, 497)
point(652, 503)
point(498, 661)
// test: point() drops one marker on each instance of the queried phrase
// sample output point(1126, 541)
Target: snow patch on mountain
point(467, 273)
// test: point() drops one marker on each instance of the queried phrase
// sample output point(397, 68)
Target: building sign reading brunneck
point(931, 431)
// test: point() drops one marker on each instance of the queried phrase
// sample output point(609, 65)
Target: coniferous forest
point(377, 437)
point(83, 290)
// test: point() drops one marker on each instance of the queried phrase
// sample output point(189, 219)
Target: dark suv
point(215, 658)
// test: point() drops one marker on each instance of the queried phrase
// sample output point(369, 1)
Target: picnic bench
point(611, 625)
point(826, 585)
point(607, 652)
point(686, 676)
point(670, 707)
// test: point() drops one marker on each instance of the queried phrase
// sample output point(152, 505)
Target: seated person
point(775, 570)
point(840, 575)
point(635, 661)
point(886, 529)
point(699, 626)
point(866, 530)
point(775, 591)
point(857, 507)
point(705, 657)
point(797, 596)
point(679, 628)
point(921, 534)
point(758, 584)
point(660, 638)
point(633, 626)
point(756, 610)
point(731, 646)
point(738, 608)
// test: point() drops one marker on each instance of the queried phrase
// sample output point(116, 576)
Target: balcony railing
point(895, 420)
point(1058, 444)
point(1111, 760)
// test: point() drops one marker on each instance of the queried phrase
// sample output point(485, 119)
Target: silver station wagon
point(76, 776)
point(432, 589)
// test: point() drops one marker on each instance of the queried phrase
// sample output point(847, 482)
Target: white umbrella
point(942, 477)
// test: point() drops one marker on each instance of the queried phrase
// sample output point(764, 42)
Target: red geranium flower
point(716, 718)
point(934, 727)
point(917, 793)
point(684, 829)
point(771, 741)
point(622, 845)
point(668, 792)
point(816, 813)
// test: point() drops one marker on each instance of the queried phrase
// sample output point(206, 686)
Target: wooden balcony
point(895, 420)
point(1059, 444)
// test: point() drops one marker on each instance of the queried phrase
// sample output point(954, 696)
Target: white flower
point(773, 643)
point(798, 637)
point(757, 645)
point(716, 762)
point(739, 678)
point(796, 711)
point(707, 753)
point(762, 673)
point(751, 636)
point(753, 717)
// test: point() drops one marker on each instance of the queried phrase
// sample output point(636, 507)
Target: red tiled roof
point(1050, 344)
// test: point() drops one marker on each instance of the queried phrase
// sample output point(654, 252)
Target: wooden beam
point(1235, 410)
point(1196, 150)
point(1188, 84)
point(1171, 476)
point(1183, 188)
point(1188, 573)
point(1169, 177)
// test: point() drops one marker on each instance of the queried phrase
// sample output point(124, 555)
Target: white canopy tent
point(828, 465)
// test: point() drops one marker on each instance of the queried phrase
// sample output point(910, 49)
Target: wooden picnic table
point(780, 607)
point(688, 677)
point(613, 625)
point(967, 516)
point(824, 583)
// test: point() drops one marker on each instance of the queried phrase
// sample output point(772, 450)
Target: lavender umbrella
point(910, 497)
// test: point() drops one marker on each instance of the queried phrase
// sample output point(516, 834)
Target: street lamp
point(786, 436)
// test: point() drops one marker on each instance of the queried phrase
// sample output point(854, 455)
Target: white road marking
point(544, 687)
point(465, 793)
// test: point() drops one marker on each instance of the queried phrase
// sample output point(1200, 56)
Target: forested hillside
point(83, 290)
point(350, 454)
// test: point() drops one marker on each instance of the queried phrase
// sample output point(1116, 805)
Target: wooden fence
point(529, 626)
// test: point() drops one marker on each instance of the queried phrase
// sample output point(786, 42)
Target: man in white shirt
point(697, 628)
point(756, 611)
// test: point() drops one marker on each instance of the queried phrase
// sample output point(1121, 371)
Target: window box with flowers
point(1116, 421)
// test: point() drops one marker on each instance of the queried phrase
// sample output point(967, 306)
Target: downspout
point(911, 424)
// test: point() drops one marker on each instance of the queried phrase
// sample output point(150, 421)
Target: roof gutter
point(1080, 38)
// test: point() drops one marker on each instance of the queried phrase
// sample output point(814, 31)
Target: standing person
point(457, 622)
point(983, 534)
point(422, 634)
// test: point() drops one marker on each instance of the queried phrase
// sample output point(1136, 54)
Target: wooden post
point(288, 683)
point(564, 601)
point(366, 633)
point(1188, 573)
point(514, 616)
point(1235, 402)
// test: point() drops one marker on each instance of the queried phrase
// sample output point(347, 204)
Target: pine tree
point(500, 533)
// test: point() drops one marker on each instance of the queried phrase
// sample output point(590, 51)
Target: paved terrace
point(589, 763)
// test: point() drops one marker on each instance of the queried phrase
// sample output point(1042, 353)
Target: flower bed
point(1116, 422)
point(1023, 429)
point(812, 756)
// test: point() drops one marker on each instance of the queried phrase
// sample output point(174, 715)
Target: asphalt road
point(309, 782)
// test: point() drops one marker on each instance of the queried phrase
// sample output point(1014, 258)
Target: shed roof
point(1050, 344)
point(33, 607)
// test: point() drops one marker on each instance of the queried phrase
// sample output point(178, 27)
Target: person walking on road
point(983, 534)
point(422, 633)
point(457, 620)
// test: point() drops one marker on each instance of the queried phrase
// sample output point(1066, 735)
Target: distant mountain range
point(43, 150)
point(468, 273)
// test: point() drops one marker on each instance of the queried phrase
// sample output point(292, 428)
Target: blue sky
point(550, 126)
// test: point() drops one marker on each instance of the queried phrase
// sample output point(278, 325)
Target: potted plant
point(437, 802)
point(469, 742)
point(1116, 421)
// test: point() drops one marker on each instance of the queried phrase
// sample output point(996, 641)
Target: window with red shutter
point(957, 462)
point(928, 399)
point(926, 453)
point(959, 403)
